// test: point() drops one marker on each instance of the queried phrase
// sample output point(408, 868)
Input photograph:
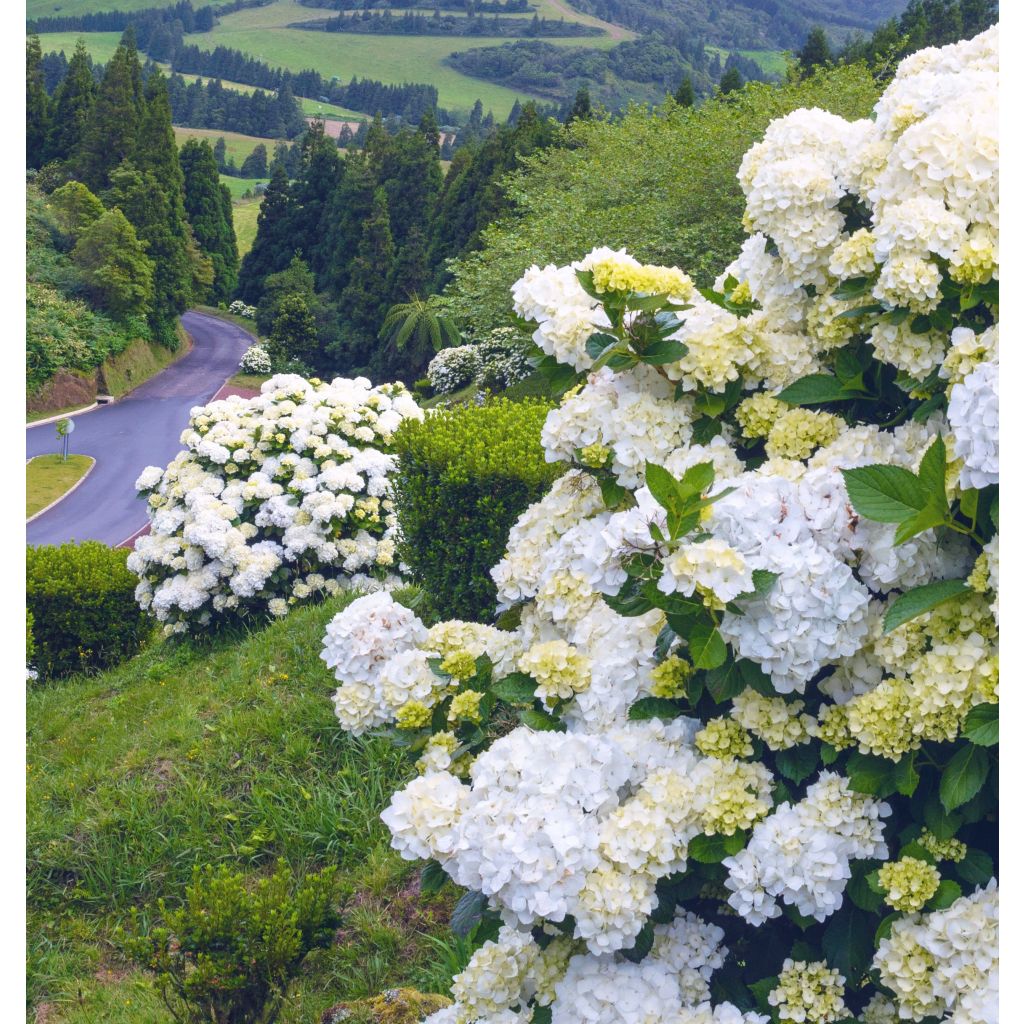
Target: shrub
point(453, 368)
point(464, 475)
point(230, 952)
point(82, 606)
point(503, 359)
point(277, 499)
point(256, 360)
point(239, 308)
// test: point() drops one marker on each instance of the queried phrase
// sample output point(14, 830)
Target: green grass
point(138, 362)
point(237, 145)
point(45, 414)
point(101, 45)
point(254, 381)
point(223, 751)
point(239, 186)
point(246, 215)
point(773, 62)
point(47, 477)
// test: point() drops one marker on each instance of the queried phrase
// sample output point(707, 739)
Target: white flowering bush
point(239, 308)
point(733, 756)
point(453, 368)
point(255, 360)
point(504, 359)
point(275, 500)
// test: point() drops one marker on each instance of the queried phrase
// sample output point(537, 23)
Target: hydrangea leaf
point(468, 913)
point(885, 494)
point(963, 776)
point(982, 725)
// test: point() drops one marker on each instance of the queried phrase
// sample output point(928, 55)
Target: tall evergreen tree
point(271, 250)
point(815, 51)
point(72, 107)
point(343, 219)
point(685, 95)
point(317, 179)
point(114, 121)
point(220, 152)
point(211, 221)
point(37, 105)
point(730, 81)
point(255, 164)
point(581, 109)
point(365, 298)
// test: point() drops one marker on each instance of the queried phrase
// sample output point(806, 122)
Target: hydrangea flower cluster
point(751, 646)
point(275, 500)
point(239, 308)
point(255, 359)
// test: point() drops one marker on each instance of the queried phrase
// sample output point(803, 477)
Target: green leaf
point(654, 707)
point(884, 930)
point(714, 849)
point(976, 868)
point(541, 721)
point(922, 599)
point(941, 319)
point(860, 892)
point(642, 944)
point(932, 474)
point(926, 519)
point(597, 343)
point(885, 494)
point(920, 324)
point(981, 726)
point(663, 486)
point(797, 762)
point(612, 492)
point(707, 648)
point(517, 688)
point(725, 682)
point(963, 776)
point(873, 775)
point(764, 580)
point(697, 479)
point(662, 351)
point(468, 913)
point(815, 389)
point(762, 989)
point(705, 428)
point(904, 776)
point(947, 893)
point(541, 1015)
point(858, 311)
point(848, 942)
point(432, 877)
point(853, 288)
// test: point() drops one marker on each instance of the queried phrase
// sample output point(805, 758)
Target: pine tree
point(319, 173)
point(685, 95)
point(220, 152)
point(72, 107)
point(365, 299)
point(515, 112)
point(294, 332)
point(580, 110)
point(210, 218)
point(255, 164)
point(343, 219)
point(37, 105)
point(730, 81)
point(815, 51)
point(114, 265)
point(271, 250)
point(114, 121)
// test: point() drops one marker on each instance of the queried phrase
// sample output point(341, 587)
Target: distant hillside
point(745, 24)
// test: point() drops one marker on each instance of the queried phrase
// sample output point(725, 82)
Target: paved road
point(140, 430)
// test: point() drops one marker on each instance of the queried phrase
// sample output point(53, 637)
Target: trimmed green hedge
point(82, 601)
point(464, 476)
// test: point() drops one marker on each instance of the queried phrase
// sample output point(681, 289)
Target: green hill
point(224, 752)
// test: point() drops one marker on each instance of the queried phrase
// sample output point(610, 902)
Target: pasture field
point(237, 145)
point(101, 45)
point(239, 186)
point(245, 213)
point(72, 8)
point(771, 61)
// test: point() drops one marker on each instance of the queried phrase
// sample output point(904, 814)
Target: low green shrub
point(464, 476)
point(82, 601)
point(229, 953)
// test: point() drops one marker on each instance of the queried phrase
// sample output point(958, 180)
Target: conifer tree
point(114, 265)
point(210, 215)
point(37, 105)
point(343, 219)
point(72, 107)
point(730, 81)
point(271, 250)
point(581, 110)
point(684, 95)
point(220, 152)
point(114, 121)
point(365, 299)
point(255, 164)
point(294, 332)
point(319, 173)
point(815, 51)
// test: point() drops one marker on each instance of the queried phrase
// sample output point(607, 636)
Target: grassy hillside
point(68, 8)
point(226, 752)
point(236, 145)
point(246, 213)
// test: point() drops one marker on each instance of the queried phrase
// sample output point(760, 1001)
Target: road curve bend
point(142, 429)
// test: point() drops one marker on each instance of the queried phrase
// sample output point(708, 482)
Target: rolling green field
point(239, 186)
point(771, 61)
point(101, 45)
point(245, 212)
point(69, 8)
point(237, 145)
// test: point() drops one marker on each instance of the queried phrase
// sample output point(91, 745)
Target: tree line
point(345, 240)
point(415, 23)
point(469, 6)
point(152, 229)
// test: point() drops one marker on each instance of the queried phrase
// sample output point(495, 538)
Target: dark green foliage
point(464, 476)
point(82, 600)
point(581, 109)
point(272, 249)
point(295, 279)
point(74, 208)
point(294, 332)
point(37, 105)
point(72, 107)
point(110, 135)
point(319, 172)
point(229, 953)
point(815, 51)
point(684, 95)
point(208, 206)
point(255, 164)
point(731, 81)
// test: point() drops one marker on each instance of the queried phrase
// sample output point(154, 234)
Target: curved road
point(142, 429)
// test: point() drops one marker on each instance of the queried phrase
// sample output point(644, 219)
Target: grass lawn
point(68, 410)
point(246, 213)
point(248, 380)
point(771, 61)
point(48, 477)
point(101, 45)
point(69, 8)
point(225, 750)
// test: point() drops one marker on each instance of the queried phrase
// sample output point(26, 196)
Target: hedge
point(465, 475)
point(82, 601)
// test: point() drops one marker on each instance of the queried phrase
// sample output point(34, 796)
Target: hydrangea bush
point(496, 361)
point(275, 500)
point(239, 308)
point(735, 760)
point(255, 360)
